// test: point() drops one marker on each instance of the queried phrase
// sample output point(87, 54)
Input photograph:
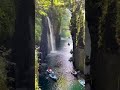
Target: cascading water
point(52, 40)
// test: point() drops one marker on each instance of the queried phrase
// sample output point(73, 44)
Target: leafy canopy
point(43, 5)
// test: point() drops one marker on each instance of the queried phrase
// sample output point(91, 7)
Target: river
point(59, 63)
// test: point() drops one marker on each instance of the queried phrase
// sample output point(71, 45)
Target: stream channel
point(59, 62)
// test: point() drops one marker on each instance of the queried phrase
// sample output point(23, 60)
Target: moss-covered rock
point(7, 28)
point(103, 24)
point(7, 21)
point(54, 14)
point(78, 35)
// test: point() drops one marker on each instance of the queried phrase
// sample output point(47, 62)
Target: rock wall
point(103, 24)
point(23, 45)
point(78, 35)
point(54, 15)
point(45, 39)
point(7, 28)
point(45, 46)
point(88, 56)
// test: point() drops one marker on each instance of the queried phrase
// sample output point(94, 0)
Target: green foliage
point(36, 71)
point(77, 28)
point(3, 76)
point(7, 28)
point(65, 34)
point(7, 19)
point(78, 22)
point(3, 65)
point(65, 22)
point(65, 19)
point(41, 6)
point(105, 6)
point(38, 30)
point(102, 21)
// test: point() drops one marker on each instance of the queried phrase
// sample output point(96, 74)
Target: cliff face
point(44, 38)
point(55, 18)
point(45, 43)
point(103, 23)
point(78, 36)
point(23, 45)
point(7, 28)
point(101, 43)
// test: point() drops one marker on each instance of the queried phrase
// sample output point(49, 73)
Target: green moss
point(7, 19)
point(65, 22)
point(38, 30)
point(114, 21)
point(101, 27)
point(36, 71)
point(3, 76)
point(3, 65)
point(78, 32)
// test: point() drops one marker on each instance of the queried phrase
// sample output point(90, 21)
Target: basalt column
point(102, 17)
point(23, 45)
point(44, 38)
point(55, 18)
point(78, 36)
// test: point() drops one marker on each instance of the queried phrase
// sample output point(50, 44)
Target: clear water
point(58, 61)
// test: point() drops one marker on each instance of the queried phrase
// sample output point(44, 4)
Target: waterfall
point(52, 39)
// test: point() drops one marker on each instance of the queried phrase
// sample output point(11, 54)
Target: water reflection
point(58, 61)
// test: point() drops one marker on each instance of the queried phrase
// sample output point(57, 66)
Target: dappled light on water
point(60, 64)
